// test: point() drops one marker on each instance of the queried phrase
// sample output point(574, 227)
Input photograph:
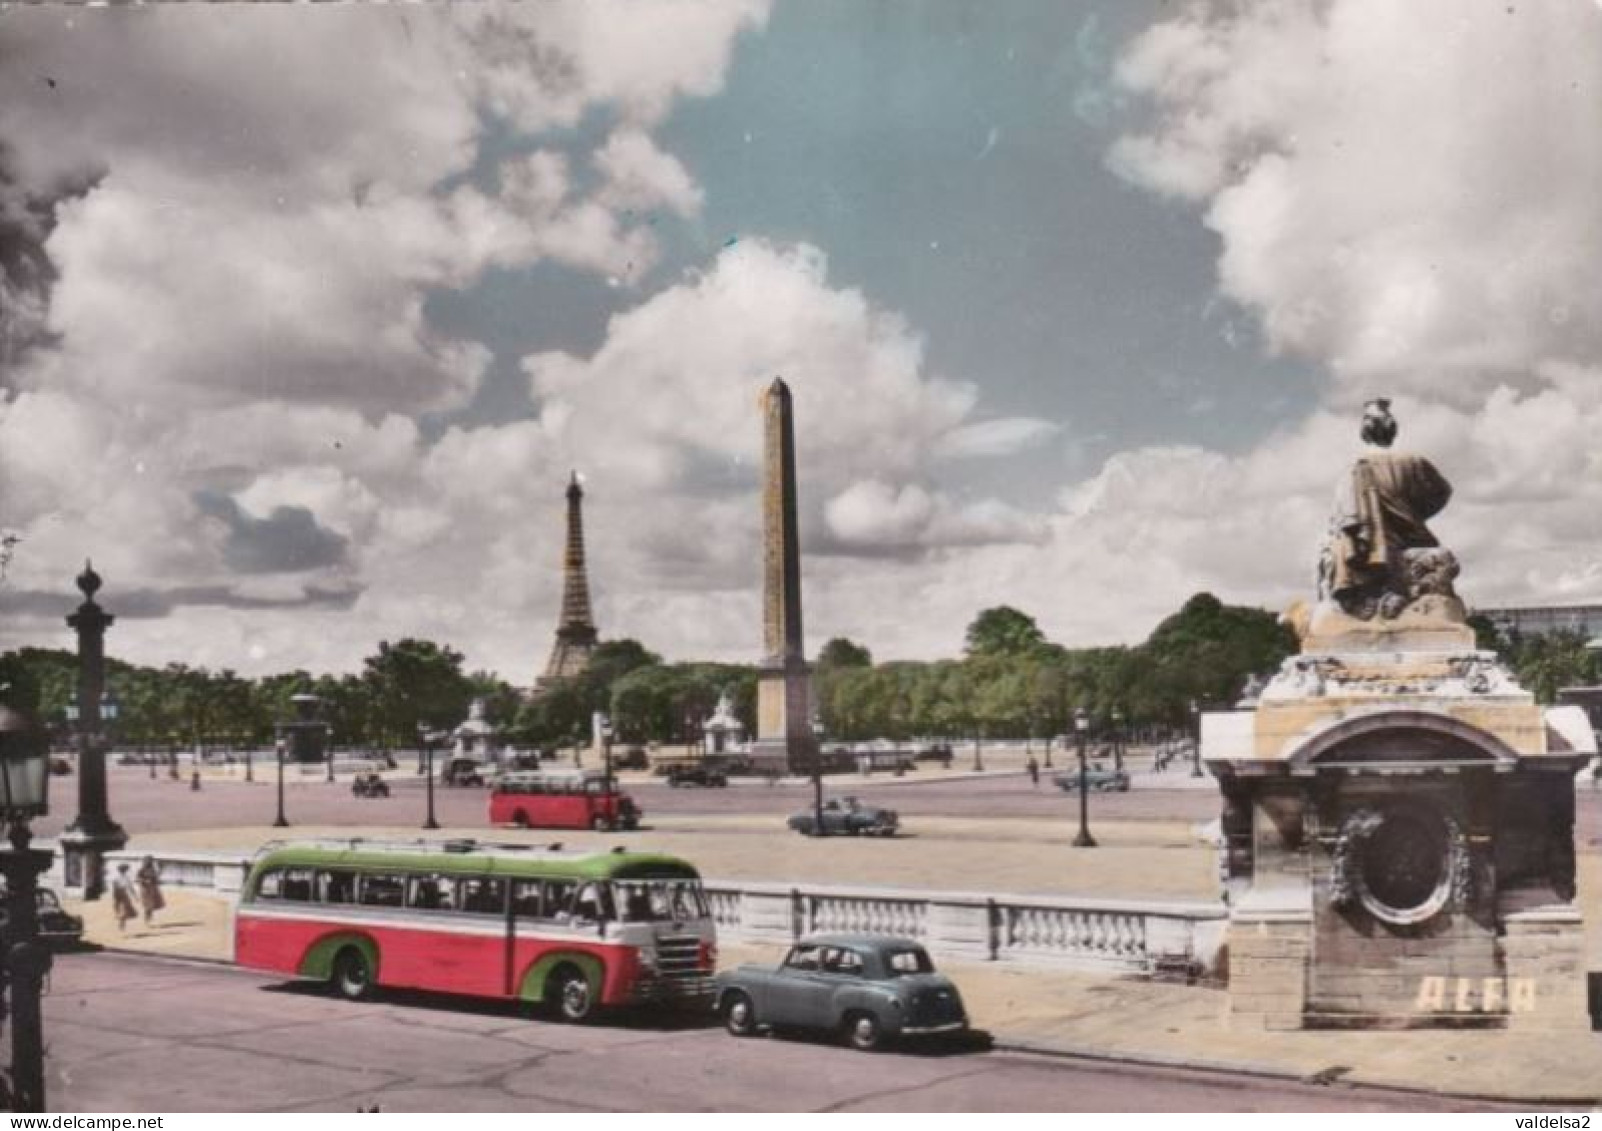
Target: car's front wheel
point(864, 1031)
point(739, 1014)
point(575, 1000)
point(353, 977)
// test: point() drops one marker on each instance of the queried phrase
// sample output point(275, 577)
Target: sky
point(306, 313)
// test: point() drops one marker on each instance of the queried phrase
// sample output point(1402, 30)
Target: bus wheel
point(600, 824)
point(352, 978)
point(739, 1015)
point(520, 819)
point(575, 1001)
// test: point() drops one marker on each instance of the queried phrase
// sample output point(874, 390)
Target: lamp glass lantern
point(1081, 720)
point(110, 705)
point(24, 767)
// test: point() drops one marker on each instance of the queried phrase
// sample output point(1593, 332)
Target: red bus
point(562, 801)
point(574, 931)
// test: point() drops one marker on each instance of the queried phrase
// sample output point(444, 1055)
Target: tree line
point(1010, 682)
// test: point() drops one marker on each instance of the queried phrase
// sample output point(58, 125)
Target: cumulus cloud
point(217, 239)
point(1407, 193)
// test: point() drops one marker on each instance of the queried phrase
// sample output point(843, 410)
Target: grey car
point(869, 988)
point(847, 817)
point(1098, 779)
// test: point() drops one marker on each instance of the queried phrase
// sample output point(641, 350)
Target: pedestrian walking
point(150, 888)
point(122, 897)
point(1034, 771)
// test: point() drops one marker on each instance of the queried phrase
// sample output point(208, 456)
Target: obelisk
point(784, 739)
point(575, 631)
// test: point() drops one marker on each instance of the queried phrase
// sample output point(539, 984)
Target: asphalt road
point(142, 804)
point(136, 1034)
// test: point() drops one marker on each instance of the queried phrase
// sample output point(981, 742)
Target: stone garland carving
point(1348, 862)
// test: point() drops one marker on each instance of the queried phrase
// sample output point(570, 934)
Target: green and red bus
point(573, 931)
point(570, 800)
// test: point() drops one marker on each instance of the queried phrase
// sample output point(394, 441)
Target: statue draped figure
point(1380, 557)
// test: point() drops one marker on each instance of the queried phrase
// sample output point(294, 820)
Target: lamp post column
point(428, 779)
point(817, 777)
point(92, 833)
point(28, 962)
point(1195, 740)
point(1082, 728)
point(281, 821)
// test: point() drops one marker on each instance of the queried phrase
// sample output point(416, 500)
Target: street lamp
point(978, 760)
point(426, 739)
point(817, 775)
point(604, 732)
point(24, 788)
point(1118, 739)
point(1195, 735)
point(1082, 729)
point(280, 822)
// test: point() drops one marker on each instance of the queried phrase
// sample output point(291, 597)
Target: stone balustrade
point(1069, 932)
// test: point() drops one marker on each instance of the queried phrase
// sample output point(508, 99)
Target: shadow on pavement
point(663, 1020)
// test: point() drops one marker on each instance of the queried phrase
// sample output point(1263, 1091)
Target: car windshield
point(900, 963)
point(655, 901)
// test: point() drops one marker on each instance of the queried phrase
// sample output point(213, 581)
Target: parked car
point(57, 926)
point(698, 773)
point(462, 771)
point(868, 988)
point(935, 752)
point(369, 785)
point(847, 817)
point(630, 758)
point(1097, 777)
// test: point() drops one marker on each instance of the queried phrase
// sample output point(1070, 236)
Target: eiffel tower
point(575, 633)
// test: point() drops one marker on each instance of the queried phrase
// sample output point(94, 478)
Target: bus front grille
point(679, 956)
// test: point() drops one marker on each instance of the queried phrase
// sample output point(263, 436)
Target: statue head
point(1379, 426)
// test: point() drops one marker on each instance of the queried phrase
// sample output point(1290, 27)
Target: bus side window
point(558, 899)
point(593, 903)
point(526, 899)
point(297, 885)
point(271, 885)
point(485, 897)
point(382, 891)
point(431, 893)
point(336, 887)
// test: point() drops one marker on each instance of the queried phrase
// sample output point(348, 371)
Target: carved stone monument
point(784, 740)
point(1398, 813)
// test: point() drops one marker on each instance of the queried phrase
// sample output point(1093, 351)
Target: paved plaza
point(1151, 846)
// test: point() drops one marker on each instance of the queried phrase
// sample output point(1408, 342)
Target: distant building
point(1538, 620)
point(575, 632)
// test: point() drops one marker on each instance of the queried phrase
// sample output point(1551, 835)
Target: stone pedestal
point(1397, 843)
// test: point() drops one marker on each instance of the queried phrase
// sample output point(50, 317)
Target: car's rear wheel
point(864, 1031)
point(600, 824)
point(353, 976)
point(520, 819)
point(739, 1014)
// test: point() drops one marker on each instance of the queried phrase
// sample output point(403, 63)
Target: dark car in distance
point(369, 785)
point(698, 773)
point(1097, 778)
point(868, 988)
point(57, 926)
point(847, 817)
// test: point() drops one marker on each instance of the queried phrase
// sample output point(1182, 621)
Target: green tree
point(843, 653)
point(416, 682)
point(1003, 631)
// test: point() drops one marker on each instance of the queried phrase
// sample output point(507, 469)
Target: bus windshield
point(653, 901)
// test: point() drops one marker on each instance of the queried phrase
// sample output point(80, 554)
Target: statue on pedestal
point(1381, 568)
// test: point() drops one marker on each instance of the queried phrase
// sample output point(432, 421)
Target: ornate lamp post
point(817, 775)
point(1082, 730)
point(24, 785)
point(92, 833)
point(1195, 739)
point(603, 730)
point(426, 744)
point(281, 821)
point(1118, 739)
